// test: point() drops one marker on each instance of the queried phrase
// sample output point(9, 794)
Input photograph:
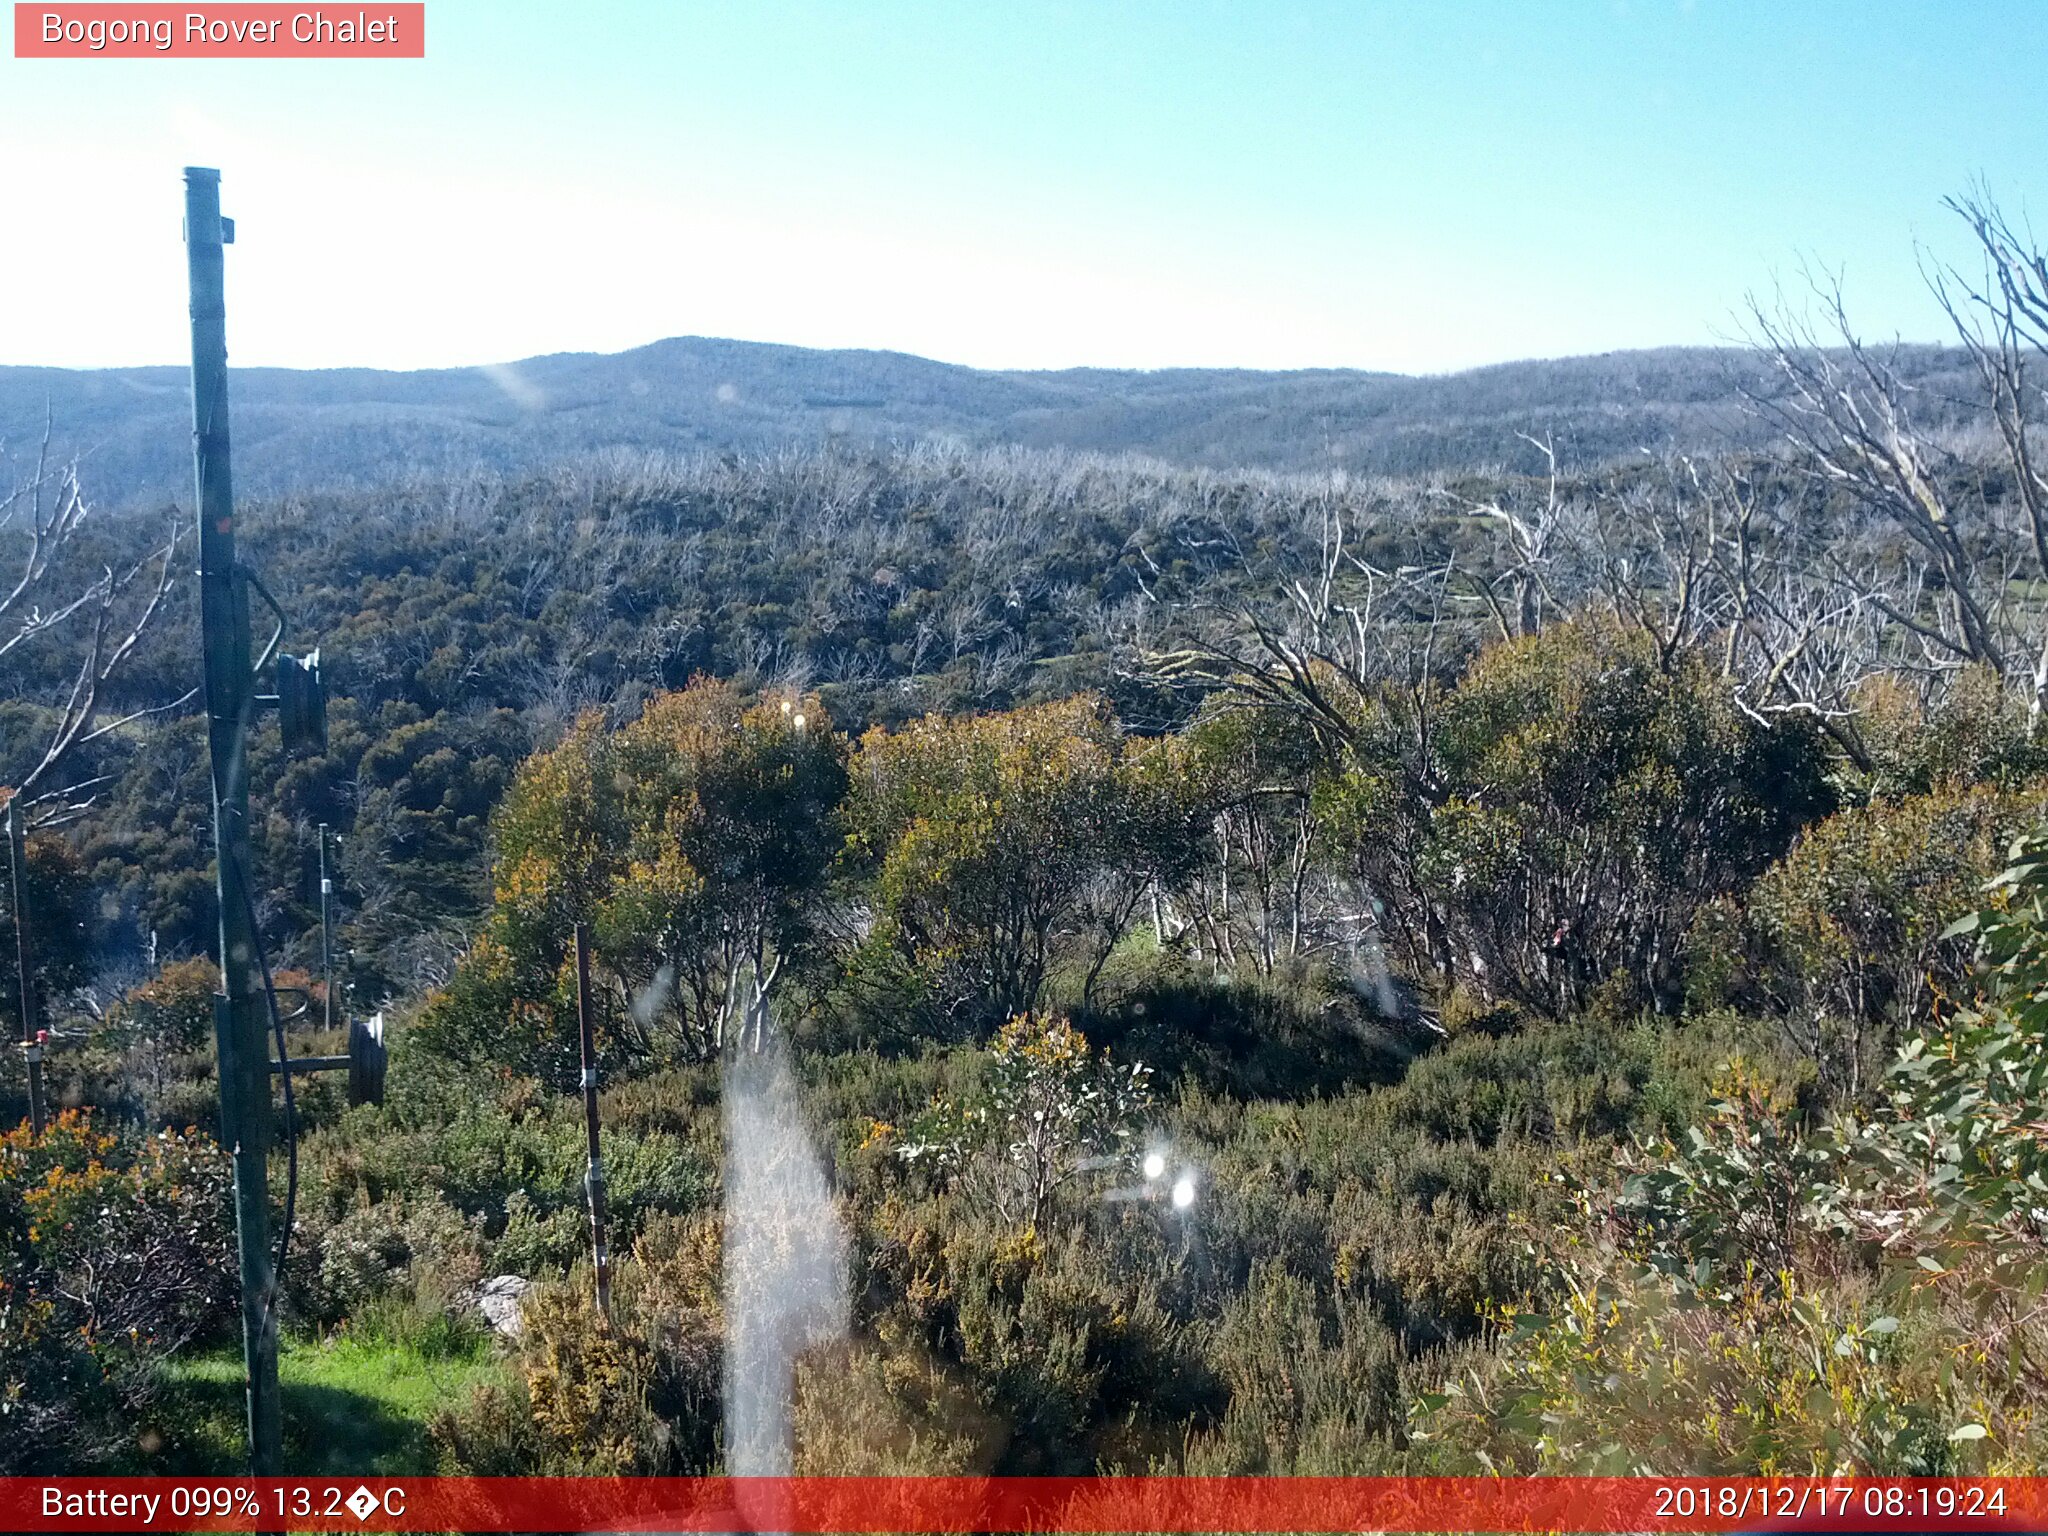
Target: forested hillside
point(318, 431)
point(1489, 970)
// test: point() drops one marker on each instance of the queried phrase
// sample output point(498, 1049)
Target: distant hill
point(302, 430)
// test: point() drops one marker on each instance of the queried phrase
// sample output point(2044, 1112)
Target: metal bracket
point(365, 1063)
point(301, 698)
point(276, 635)
point(302, 704)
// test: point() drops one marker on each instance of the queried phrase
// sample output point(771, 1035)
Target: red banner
point(1050, 1504)
point(236, 31)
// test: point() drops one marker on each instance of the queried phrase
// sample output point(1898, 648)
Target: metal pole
point(326, 932)
point(25, 964)
point(239, 1021)
point(593, 1176)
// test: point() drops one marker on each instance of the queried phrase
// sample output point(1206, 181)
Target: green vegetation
point(352, 1405)
point(1396, 1251)
point(1287, 975)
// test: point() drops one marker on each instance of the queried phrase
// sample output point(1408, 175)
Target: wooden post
point(593, 1175)
point(240, 1022)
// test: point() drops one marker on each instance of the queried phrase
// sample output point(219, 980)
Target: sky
point(1417, 187)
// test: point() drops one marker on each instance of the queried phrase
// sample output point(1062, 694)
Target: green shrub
point(1049, 1109)
point(1315, 1383)
point(694, 842)
point(1844, 937)
point(637, 1394)
point(1580, 797)
point(1002, 842)
point(1469, 1012)
point(1301, 1031)
point(1976, 733)
point(1636, 1374)
point(114, 1253)
point(508, 1155)
point(416, 1245)
point(1854, 1295)
point(1964, 1128)
point(59, 899)
point(1734, 1200)
point(866, 1410)
point(537, 1242)
point(1019, 1350)
point(172, 1011)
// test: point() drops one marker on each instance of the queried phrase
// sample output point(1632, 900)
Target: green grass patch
point(353, 1404)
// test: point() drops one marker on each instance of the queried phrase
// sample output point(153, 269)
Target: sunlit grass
point(353, 1403)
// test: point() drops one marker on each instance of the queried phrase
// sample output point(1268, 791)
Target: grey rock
point(499, 1299)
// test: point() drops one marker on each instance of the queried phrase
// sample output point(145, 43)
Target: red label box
point(237, 31)
point(938, 1506)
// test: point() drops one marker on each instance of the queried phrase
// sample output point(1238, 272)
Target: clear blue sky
point(1418, 186)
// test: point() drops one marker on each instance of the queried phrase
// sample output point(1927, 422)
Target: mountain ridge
point(305, 429)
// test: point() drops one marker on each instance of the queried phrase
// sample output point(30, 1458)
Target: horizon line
point(1717, 347)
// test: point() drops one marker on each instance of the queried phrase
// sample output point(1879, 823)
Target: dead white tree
point(1847, 410)
point(1717, 556)
point(1517, 590)
point(1958, 579)
point(2001, 317)
point(1338, 638)
point(42, 515)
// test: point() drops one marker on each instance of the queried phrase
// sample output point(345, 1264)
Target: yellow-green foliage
point(1573, 1235)
point(1315, 1381)
point(867, 1410)
point(113, 1252)
point(693, 841)
point(1845, 933)
point(1575, 799)
point(997, 837)
point(1976, 732)
point(1049, 1108)
point(1784, 1294)
point(587, 1386)
point(1632, 1372)
point(637, 1393)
